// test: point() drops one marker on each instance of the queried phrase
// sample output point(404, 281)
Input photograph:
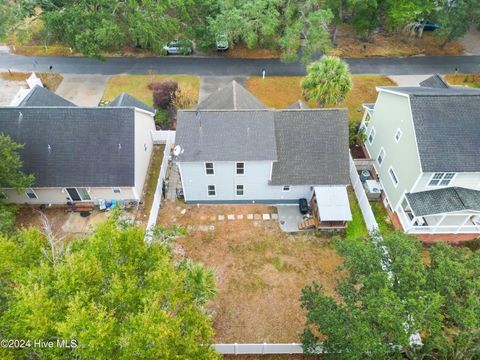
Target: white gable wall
point(144, 125)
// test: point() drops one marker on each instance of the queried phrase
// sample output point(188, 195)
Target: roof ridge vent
point(20, 116)
point(49, 147)
point(119, 146)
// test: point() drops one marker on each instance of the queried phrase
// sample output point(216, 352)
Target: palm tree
point(328, 81)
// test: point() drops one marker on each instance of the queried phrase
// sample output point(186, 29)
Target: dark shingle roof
point(231, 97)
point(434, 81)
point(312, 147)
point(127, 100)
point(39, 96)
point(299, 104)
point(226, 135)
point(73, 146)
point(444, 200)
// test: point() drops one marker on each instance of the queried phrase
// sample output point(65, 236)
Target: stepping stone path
point(274, 216)
point(221, 217)
point(266, 216)
point(240, 217)
point(257, 216)
point(231, 217)
point(250, 216)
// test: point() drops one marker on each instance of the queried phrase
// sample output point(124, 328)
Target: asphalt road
point(222, 66)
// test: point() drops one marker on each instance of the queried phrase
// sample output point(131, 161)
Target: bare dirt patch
point(260, 271)
point(50, 80)
point(391, 44)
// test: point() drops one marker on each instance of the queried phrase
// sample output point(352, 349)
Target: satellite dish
point(177, 150)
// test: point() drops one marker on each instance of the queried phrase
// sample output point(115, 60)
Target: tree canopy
point(328, 81)
point(11, 176)
point(116, 295)
point(434, 292)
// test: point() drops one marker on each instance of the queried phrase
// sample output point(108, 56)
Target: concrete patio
point(289, 217)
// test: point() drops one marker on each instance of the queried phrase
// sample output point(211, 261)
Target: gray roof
point(125, 99)
point(299, 104)
point(444, 200)
point(312, 147)
point(216, 135)
point(39, 96)
point(434, 81)
point(73, 146)
point(447, 127)
point(231, 97)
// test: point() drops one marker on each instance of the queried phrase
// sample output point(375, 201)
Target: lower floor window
point(240, 190)
point(286, 188)
point(30, 193)
point(116, 191)
point(211, 190)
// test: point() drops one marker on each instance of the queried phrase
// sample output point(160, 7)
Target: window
point(286, 188)
point(441, 179)
point(211, 190)
point(78, 194)
point(209, 170)
point(240, 168)
point(393, 176)
point(398, 135)
point(116, 190)
point(30, 193)
point(240, 190)
point(381, 156)
point(371, 136)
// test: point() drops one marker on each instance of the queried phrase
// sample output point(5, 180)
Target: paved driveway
point(83, 90)
point(8, 90)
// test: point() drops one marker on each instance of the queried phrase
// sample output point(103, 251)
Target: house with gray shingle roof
point(79, 153)
point(234, 150)
point(425, 145)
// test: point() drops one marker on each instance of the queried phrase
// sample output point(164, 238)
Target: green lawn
point(138, 86)
point(472, 80)
point(355, 228)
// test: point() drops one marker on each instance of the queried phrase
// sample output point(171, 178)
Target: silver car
point(178, 47)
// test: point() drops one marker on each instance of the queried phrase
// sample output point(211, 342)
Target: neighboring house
point(79, 153)
point(425, 144)
point(233, 149)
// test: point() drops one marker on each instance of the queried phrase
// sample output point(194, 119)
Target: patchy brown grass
point(50, 80)
point(391, 44)
point(150, 183)
point(260, 271)
point(472, 80)
point(281, 91)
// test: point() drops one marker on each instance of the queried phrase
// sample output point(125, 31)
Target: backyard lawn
point(138, 86)
point(279, 92)
point(260, 271)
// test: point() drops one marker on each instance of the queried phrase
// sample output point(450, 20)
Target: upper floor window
point(381, 156)
point(209, 170)
point(240, 168)
point(393, 176)
point(441, 179)
point(30, 193)
point(371, 136)
point(398, 135)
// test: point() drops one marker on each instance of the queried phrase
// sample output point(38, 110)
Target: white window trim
point(78, 192)
point(214, 189)
point(243, 190)
point(441, 179)
point(240, 162)
point(33, 192)
point(372, 130)
point(383, 158)
point(395, 136)
point(390, 169)
point(205, 168)
point(289, 188)
point(116, 190)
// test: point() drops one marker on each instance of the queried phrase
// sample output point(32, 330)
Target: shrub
point(162, 119)
point(185, 98)
point(164, 93)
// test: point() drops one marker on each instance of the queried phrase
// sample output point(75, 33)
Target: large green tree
point(11, 176)
point(328, 81)
point(376, 312)
point(455, 18)
point(118, 296)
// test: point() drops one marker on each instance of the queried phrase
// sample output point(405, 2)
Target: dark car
point(430, 26)
point(303, 206)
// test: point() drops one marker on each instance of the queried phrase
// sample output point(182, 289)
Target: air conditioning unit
point(373, 189)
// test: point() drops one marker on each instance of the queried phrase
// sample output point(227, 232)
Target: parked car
point(430, 26)
point(222, 42)
point(178, 47)
point(303, 206)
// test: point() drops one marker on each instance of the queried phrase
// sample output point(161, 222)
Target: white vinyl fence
point(163, 136)
point(243, 349)
point(168, 138)
point(362, 198)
